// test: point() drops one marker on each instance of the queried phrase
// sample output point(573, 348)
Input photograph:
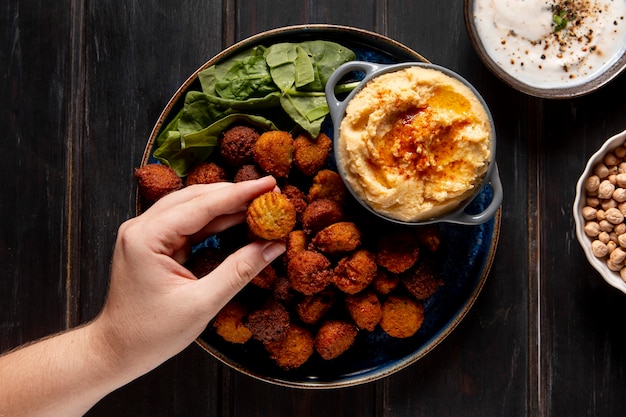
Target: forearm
point(63, 375)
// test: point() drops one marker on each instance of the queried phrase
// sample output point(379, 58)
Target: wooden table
point(82, 84)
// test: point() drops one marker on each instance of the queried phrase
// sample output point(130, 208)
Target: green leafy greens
point(561, 18)
point(249, 87)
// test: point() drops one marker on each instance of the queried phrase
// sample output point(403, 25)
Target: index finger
point(191, 216)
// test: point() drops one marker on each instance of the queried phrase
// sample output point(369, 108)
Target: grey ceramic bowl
point(338, 109)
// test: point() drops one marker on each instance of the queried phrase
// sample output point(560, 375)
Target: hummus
point(414, 143)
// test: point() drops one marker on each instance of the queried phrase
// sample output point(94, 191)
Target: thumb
point(236, 271)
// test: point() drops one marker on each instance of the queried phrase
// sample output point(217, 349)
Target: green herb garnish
point(560, 19)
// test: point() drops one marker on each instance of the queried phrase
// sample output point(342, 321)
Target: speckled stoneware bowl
point(576, 90)
point(611, 277)
point(463, 261)
point(459, 214)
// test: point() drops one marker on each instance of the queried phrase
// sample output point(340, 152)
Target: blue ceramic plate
point(464, 258)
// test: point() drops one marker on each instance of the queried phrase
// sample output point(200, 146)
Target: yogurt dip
point(552, 43)
point(414, 143)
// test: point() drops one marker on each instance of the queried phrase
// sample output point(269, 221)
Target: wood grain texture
point(82, 86)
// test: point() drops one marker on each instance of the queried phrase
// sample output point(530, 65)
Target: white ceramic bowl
point(612, 277)
point(615, 65)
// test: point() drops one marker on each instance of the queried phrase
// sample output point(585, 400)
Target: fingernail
point(272, 251)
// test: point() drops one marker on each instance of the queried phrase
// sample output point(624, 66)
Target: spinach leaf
point(251, 85)
point(307, 111)
point(184, 151)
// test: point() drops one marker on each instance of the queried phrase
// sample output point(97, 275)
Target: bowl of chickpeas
point(600, 211)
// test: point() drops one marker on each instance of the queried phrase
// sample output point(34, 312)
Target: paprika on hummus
point(414, 143)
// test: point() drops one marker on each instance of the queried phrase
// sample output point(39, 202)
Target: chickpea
point(621, 179)
point(620, 151)
point(622, 167)
point(599, 249)
point(604, 237)
point(605, 189)
point(614, 216)
point(601, 171)
point(593, 201)
point(617, 256)
point(609, 203)
point(611, 159)
point(589, 213)
point(614, 266)
point(622, 274)
point(606, 226)
point(600, 215)
point(621, 240)
point(611, 246)
point(620, 229)
point(619, 195)
point(593, 183)
point(592, 229)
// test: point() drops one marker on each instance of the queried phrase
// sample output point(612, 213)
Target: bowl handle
point(336, 107)
point(462, 217)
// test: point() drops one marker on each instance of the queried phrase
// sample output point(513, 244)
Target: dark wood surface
point(81, 85)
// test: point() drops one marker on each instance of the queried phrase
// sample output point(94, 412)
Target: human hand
point(155, 306)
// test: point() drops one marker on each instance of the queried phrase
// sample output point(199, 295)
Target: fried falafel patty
point(237, 144)
point(309, 272)
point(311, 155)
point(334, 337)
point(156, 180)
point(402, 316)
point(355, 272)
point(294, 349)
point(269, 323)
point(228, 323)
point(273, 152)
point(365, 309)
point(271, 216)
point(397, 251)
point(206, 173)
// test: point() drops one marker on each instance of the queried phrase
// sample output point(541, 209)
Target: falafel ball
point(355, 272)
point(338, 238)
point(312, 308)
point(327, 184)
point(309, 272)
point(266, 278)
point(271, 216)
point(320, 214)
point(297, 241)
point(397, 251)
point(228, 323)
point(334, 337)
point(269, 323)
point(206, 173)
point(294, 349)
point(156, 180)
point(273, 152)
point(385, 282)
point(365, 309)
point(248, 172)
point(402, 316)
point(297, 198)
point(422, 281)
point(237, 144)
point(310, 155)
